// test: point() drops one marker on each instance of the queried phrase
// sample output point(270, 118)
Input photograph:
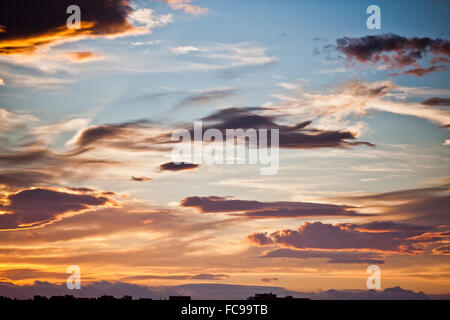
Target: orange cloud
point(102, 18)
point(83, 56)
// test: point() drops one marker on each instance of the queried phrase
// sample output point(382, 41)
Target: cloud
point(419, 72)
point(269, 279)
point(435, 101)
point(184, 50)
point(343, 106)
point(262, 210)
point(28, 273)
point(395, 293)
point(331, 256)
point(388, 226)
point(186, 6)
point(197, 291)
point(443, 250)
point(83, 56)
point(102, 18)
point(11, 120)
point(38, 207)
point(260, 239)
point(208, 96)
point(15, 179)
point(207, 276)
point(296, 136)
point(172, 166)
point(320, 235)
point(140, 178)
point(218, 56)
point(202, 276)
point(138, 135)
point(425, 206)
point(396, 52)
point(148, 19)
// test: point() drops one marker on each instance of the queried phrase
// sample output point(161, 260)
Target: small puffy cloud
point(172, 166)
point(147, 18)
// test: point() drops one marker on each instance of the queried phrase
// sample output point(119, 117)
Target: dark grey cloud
point(419, 72)
point(172, 166)
point(397, 52)
point(297, 136)
point(261, 210)
point(320, 235)
point(331, 256)
point(35, 207)
point(99, 18)
point(436, 101)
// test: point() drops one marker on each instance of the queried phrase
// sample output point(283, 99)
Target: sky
point(86, 170)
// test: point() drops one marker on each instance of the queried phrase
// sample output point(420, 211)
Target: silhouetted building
point(106, 298)
point(62, 298)
point(145, 299)
point(272, 296)
point(178, 298)
point(40, 298)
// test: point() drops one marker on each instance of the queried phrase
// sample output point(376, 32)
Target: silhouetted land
point(171, 309)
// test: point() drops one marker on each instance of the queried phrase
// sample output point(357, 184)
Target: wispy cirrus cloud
point(338, 108)
point(186, 6)
point(426, 206)
point(331, 256)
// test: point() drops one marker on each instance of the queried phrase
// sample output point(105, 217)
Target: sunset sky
point(85, 156)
